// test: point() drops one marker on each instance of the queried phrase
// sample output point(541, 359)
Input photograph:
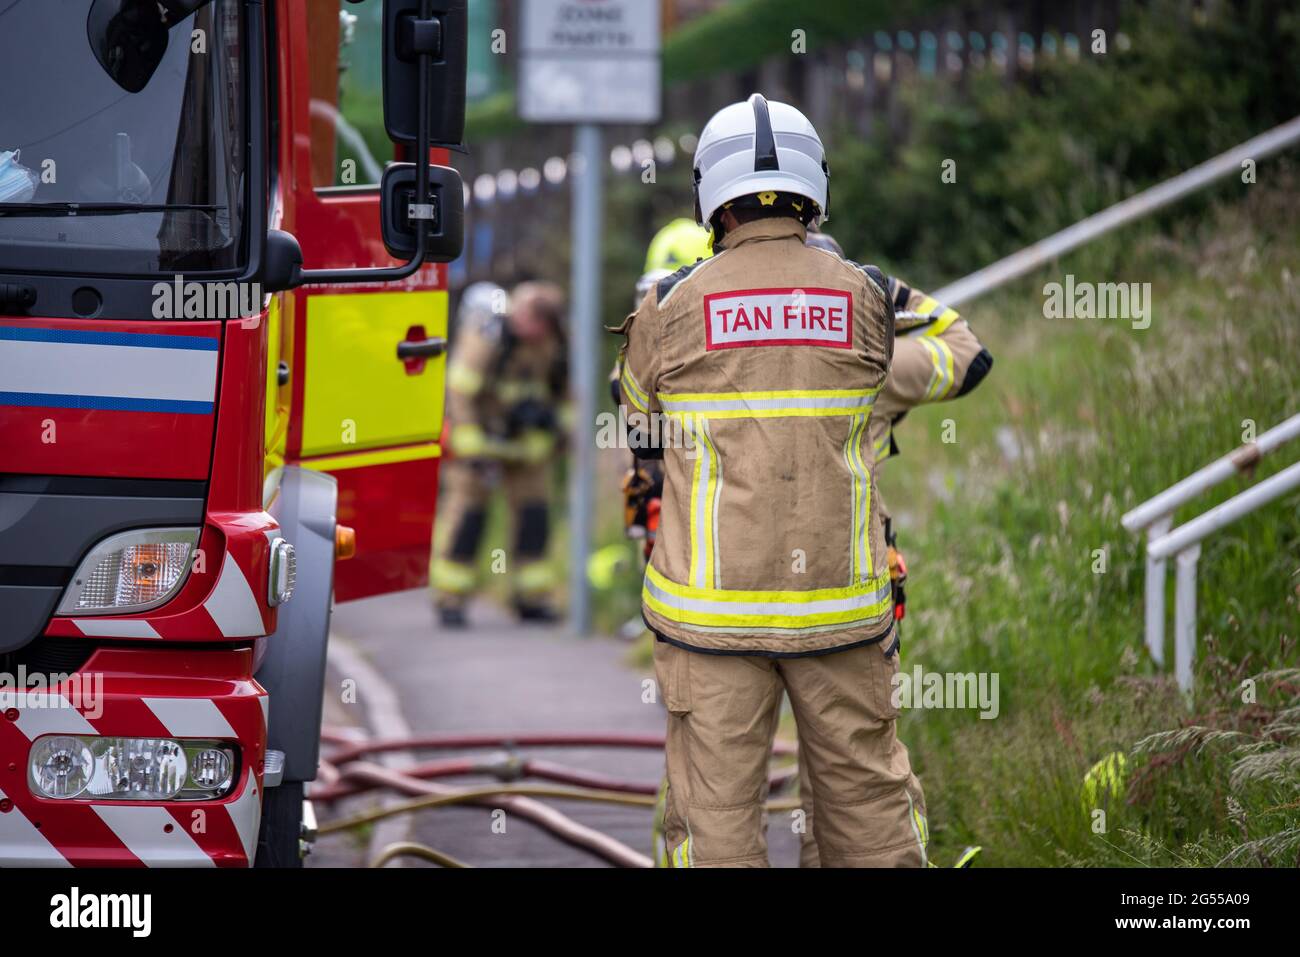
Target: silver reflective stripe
point(717, 500)
point(850, 403)
point(790, 608)
point(699, 506)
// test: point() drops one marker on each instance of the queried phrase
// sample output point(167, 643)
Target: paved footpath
point(499, 676)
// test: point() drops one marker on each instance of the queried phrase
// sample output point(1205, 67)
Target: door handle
point(421, 349)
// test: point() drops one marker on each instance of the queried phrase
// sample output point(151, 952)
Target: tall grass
point(1020, 566)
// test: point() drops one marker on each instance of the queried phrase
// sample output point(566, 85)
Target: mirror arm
point(389, 273)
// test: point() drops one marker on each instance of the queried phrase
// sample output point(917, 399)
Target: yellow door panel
point(358, 394)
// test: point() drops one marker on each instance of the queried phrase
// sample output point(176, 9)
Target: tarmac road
point(500, 676)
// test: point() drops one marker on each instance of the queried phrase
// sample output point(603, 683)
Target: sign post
point(587, 62)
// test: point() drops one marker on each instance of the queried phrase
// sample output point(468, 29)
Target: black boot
point(452, 616)
point(536, 612)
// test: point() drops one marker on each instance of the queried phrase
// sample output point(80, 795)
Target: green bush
point(1033, 158)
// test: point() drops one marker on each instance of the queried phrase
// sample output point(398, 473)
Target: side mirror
point(129, 39)
point(282, 261)
point(445, 37)
point(425, 48)
point(441, 214)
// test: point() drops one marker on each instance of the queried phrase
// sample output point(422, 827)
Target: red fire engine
point(220, 373)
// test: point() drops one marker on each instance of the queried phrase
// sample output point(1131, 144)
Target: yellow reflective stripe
point(461, 378)
point(861, 566)
point(537, 576)
point(682, 854)
point(940, 325)
point(866, 510)
point(787, 610)
point(742, 596)
point(881, 447)
point(936, 326)
point(778, 394)
point(941, 358)
point(748, 405)
point(948, 374)
point(699, 479)
point(452, 576)
point(935, 366)
point(468, 439)
point(855, 493)
point(674, 612)
point(516, 390)
point(710, 495)
point(919, 827)
point(967, 856)
point(775, 413)
point(633, 389)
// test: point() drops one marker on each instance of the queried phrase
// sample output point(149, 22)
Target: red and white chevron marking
point(142, 697)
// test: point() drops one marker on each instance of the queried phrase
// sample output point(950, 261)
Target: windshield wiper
point(97, 209)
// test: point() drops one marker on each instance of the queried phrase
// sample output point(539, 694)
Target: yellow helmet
point(680, 243)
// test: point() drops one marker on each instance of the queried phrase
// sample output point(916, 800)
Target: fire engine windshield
point(98, 180)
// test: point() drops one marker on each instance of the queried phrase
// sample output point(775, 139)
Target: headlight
point(130, 769)
point(129, 572)
point(60, 766)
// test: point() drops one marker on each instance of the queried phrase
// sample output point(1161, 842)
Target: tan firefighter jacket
point(758, 370)
point(936, 358)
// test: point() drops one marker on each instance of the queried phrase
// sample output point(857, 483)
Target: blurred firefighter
point(506, 386)
point(769, 571)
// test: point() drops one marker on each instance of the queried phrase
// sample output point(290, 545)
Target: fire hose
point(344, 775)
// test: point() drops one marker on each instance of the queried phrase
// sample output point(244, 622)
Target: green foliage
point(738, 36)
point(1035, 157)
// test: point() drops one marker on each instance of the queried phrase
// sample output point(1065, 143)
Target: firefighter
point(937, 358)
point(769, 571)
point(950, 365)
point(506, 383)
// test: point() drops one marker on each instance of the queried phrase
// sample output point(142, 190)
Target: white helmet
point(759, 147)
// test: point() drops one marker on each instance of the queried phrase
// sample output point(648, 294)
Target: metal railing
point(1155, 516)
point(1227, 163)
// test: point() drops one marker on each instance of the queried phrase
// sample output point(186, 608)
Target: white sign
point(778, 317)
point(590, 61)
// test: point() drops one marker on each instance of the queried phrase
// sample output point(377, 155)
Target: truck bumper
point(146, 692)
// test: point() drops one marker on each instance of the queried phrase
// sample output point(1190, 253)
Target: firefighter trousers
point(467, 488)
point(722, 716)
